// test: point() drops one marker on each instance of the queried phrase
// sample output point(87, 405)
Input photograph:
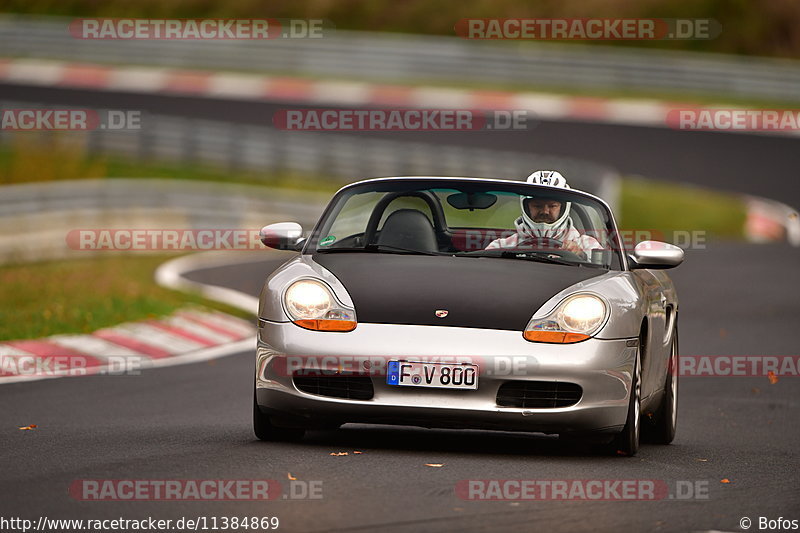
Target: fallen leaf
point(337, 454)
point(290, 476)
point(27, 428)
point(435, 465)
point(726, 480)
point(755, 390)
point(773, 379)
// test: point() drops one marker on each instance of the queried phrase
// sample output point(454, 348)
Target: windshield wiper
point(380, 248)
point(542, 257)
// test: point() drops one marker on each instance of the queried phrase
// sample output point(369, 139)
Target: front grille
point(338, 386)
point(538, 394)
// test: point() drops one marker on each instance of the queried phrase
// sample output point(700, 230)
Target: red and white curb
point(629, 111)
point(187, 336)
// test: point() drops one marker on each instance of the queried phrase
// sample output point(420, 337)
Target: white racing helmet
point(562, 225)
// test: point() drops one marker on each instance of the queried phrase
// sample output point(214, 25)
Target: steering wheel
point(548, 245)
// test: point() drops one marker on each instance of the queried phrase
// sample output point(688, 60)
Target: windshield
point(470, 219)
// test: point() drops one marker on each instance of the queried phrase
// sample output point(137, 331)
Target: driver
point(547, 218)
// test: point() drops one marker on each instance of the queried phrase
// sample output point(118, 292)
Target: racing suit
point(568, 234)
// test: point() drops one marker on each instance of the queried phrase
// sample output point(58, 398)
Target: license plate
point(440, 375)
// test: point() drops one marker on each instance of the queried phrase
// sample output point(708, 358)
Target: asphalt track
point(193, 421)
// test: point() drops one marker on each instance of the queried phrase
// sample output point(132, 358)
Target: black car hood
point(483, 292)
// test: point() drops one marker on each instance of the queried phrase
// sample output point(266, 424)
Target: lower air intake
point(336, 386)
point(538, 394)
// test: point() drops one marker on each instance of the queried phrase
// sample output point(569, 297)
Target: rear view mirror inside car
point(472, 200)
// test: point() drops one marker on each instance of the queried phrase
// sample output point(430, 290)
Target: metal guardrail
point(423, 59)
point(209, 204)
point(341, 157)
point(35, 218)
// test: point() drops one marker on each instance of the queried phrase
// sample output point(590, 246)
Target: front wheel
point(266, 430)
point(627, 441)
point(666, 416)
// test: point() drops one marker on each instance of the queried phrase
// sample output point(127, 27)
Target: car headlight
point(311, 305)
point(575, 319)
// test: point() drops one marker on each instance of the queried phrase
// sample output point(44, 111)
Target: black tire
point(265, 430)
point(666, 416)
point(627, 441)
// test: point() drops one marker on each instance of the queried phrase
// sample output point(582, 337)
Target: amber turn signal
point(327, 325)
point(557, 337)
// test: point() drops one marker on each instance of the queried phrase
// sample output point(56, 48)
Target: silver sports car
point(469, 303)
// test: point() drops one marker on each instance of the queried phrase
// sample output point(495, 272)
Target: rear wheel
point(627, 441)
point(666, 416)
point(266, 430)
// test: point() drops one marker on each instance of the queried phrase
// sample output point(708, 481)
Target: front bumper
point(602, 368)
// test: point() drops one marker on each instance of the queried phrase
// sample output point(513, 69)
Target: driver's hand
point(574, 247)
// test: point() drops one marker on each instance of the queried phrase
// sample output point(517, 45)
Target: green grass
point(667, 208)
point(84, 295)
point(32, 158)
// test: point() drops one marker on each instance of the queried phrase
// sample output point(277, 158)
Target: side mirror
point(655, 254)
point(282, 236)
